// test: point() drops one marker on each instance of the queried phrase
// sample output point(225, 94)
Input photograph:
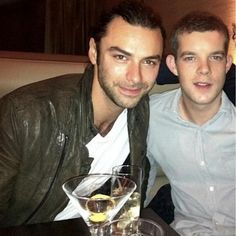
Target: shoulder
point(227, 105)
point(163, 100)
point(46, 100)
point(51, 89)
point(47, 86)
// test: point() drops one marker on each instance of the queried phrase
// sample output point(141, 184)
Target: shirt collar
point(225, 103)
point(224, 107)
point(174, 105)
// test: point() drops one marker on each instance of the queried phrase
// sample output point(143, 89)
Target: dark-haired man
point(71, 125)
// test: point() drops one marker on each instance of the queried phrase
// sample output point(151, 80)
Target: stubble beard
point(109, 91)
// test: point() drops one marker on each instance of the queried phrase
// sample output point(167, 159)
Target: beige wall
point(18, 69)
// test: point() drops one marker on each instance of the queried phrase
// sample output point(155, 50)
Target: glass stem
point(96, 231)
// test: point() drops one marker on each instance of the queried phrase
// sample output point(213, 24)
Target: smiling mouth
point(131, 92)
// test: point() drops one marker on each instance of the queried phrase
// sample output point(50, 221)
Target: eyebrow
point(111, 49)
point(186, 53)
point(114, 48)
point(219, 52)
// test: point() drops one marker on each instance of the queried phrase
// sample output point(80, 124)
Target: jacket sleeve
point(9, 152)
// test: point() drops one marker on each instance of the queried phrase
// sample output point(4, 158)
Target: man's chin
point(130, 104)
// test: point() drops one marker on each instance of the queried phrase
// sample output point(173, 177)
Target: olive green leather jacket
point(43, 131)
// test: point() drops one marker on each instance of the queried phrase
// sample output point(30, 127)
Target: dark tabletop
point(73, 227)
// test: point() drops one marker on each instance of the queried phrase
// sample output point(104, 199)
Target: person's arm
point(9, 153)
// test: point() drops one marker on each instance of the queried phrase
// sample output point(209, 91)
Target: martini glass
point(131, 210)
point(98, 197)
point(137, 227)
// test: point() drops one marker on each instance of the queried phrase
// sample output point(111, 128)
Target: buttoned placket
point(201, 159)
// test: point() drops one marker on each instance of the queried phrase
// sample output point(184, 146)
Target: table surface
point(73, 227)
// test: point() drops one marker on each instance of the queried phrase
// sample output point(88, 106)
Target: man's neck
point(197, 114)
point(104, 110)
point(104, 121)
point(104, 128)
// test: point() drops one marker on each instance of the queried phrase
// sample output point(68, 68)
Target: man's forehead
point(198, 39)
point(133, 39)
point(194, 34)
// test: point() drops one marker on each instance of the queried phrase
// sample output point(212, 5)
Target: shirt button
point(202, 163)
point(211, 188)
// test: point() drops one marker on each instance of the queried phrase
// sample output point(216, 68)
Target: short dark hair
point(199, 21)
point(133, 12)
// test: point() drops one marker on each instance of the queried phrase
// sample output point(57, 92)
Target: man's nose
point(134, 73)
point(204, 67)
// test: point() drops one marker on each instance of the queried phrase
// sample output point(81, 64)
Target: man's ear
point(229, 61)
point(92, 53)
point(170, 62)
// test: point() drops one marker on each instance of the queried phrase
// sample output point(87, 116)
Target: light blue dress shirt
point(199, 162)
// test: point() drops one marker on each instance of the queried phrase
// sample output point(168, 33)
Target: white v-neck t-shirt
point(107, 151)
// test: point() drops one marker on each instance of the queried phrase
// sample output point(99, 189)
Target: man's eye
point(120, 57)
point(217, 57)
point(189, 58)
point(151, 62)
